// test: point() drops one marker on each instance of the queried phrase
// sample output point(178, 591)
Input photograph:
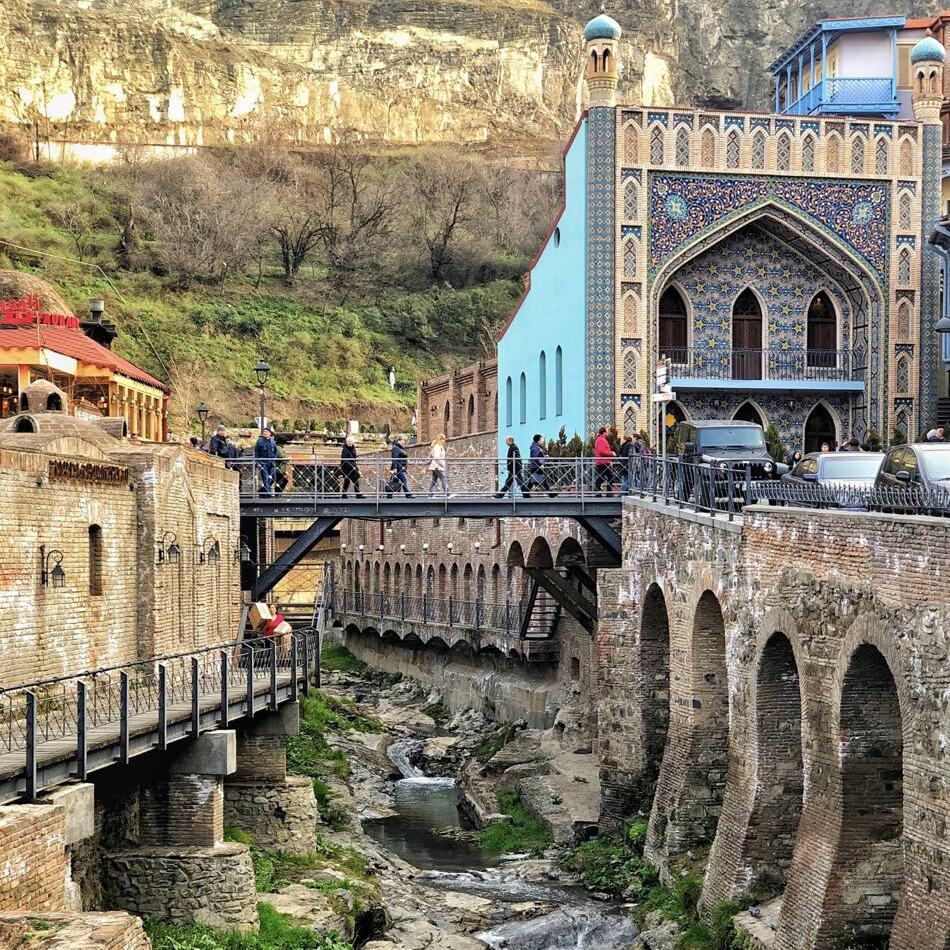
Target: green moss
point(339, 659)
point(438, 712)
point(276, 933)
point(494, 742)
point(609, 864)
point(518, 831)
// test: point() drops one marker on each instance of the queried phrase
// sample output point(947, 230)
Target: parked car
point(923, 474)
point(721, 445)
point(845, 476)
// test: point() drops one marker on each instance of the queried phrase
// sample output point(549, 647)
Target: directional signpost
point(661, 397)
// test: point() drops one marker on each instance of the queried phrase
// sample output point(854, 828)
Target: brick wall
point(459, 403)
point(34, 865)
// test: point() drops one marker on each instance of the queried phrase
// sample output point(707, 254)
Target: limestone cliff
point(174, 73)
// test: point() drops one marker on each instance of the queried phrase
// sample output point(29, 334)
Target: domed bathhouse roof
point(927, 50)
point(43, 396)
point(602, 27)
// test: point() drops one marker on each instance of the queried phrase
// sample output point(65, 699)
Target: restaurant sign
point(26, 311)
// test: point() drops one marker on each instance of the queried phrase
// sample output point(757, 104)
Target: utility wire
point(107, 279)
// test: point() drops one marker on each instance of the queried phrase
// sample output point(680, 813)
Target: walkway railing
point(429, 608)
point(56, 717)
point(913, 499)
point(771, 365)
point(843, 92)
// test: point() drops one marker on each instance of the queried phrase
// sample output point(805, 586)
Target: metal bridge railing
point(912, 499)
point(431, 608)
point(71, 707)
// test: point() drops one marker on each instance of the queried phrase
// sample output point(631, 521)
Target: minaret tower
point(602, 36)
point(927, 59)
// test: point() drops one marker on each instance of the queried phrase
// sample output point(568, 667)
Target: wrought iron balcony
point(876, 96)
point(769, 366)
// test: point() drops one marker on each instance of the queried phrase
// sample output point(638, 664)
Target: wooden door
point(746, 337)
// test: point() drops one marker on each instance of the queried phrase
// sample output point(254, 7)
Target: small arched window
point(758, 150)
point(907, 158)
point(447, 416)
point(733, 149)
point(904, 267)
point(833, 154)
point(905, 211)
point(881, 149)
point(471, 414)
point(593, 61)
point(605, 65)
point(903, 320)
point(558, 382)
point(631, 201)
point(630, 258)
point(508, 407)
point(523, 399)
point(822, 332)
point(933, 81)
point(682, 147)
point(95, 561)
point(630, 316)
point(857, 155)
point(708, 148)
point(543, 385)
point(673, 330)
point(54, 403)
point(631, 144)
point(808, 153)
point(657, 145)
point(783, 152)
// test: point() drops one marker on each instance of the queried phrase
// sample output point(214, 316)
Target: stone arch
point(655, 673)
point(867, 874)
point(387, 579)
point(470, 416)
point(751, 411)
point(514, 579)
point(539, 555)
point(821, 424)
point(430, 581)
point(496, 584)
point(376, 577)
point(570, 552)
point(673, 323)
point(882, 148)
point(420, 589)
point(442, 583)
point(454, 581)
point(480, 584)
point(822, 332)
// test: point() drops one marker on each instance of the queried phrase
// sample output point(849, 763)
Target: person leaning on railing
point(603, 461)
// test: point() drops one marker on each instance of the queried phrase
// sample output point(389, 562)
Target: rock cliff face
point(170, 73)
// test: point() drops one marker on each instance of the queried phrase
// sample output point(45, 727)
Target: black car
point(722, 446)
point(915, 478)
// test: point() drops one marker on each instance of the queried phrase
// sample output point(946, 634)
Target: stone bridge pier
point(773, 692)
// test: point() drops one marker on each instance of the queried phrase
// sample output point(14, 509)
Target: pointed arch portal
point(820, 428)
point(747, 336)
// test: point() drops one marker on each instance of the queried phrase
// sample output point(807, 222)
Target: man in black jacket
point(219, 444)
point(514, 470)
point(398, 463)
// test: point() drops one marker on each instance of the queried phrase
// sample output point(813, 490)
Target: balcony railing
point(771, 365)
point(834, 94)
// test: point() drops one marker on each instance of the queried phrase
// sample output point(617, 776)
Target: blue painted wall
point(551, 315)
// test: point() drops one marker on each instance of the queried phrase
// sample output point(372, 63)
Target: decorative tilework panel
point(683, 206)
point(784, 282)
point(930, 274)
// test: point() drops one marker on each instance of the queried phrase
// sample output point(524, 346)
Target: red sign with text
point(26, 311)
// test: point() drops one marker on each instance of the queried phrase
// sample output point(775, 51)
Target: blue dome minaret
point(602, 37)
point(927, 59)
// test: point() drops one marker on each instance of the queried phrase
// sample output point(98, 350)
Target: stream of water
point(426, 805)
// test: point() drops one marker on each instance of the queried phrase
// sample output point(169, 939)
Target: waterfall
point(401, 753)
point(570, 928)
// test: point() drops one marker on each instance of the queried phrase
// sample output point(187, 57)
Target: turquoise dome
point(927, 49)
point(603, 27)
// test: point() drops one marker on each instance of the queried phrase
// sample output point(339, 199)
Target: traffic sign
point(667, 396)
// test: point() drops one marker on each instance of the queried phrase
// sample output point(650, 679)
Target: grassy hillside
point(330, 346)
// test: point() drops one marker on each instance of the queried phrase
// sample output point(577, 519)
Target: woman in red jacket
point(603, 454)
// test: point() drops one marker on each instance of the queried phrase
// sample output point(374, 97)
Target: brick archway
point(655, 670)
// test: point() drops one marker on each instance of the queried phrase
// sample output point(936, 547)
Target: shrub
point(518, 831)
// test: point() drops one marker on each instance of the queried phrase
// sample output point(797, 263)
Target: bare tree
point(77, 221)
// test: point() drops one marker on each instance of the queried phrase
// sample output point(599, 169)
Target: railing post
point(249, 659)
point(748, 484)
point(294, 645)
point(317, 672)
point(306, 664)
point(162, 707)
point(712, 489)
point(273, 673)
point(124, 718)
point(30, 745)
point(730, 491)
point(81, 722)
point(225, 699)
point(195, 698)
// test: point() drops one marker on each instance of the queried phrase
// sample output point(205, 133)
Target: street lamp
point(261, 370)
point(209, 552)
point(172, 552)
point(203, 411)
point(56, 574)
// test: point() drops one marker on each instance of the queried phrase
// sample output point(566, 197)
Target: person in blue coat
point(265, 452)
point(398, 464)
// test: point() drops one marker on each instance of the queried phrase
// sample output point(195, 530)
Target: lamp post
point(203, 411)
point(261, 370)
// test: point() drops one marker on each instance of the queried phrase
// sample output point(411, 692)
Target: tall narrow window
point(904, 268)
point(682, 147)
point(808, 153)
point(758, 150)
point(903, 320)
point(747, 336)
point(656, 145)
point(508, 410)
point(857, 155)
point(631, 200)
point(822, 333)
point(905, 216)
point(523, 399)
point(880, 156)
point(543, 385)
point(907, 158)
point(630, 145)
point(558, 382)
point(630, 258)
point(95, 560)
point(708, 148)
point(733, 149)
point(833, 154)
point(673, 336)
point(783, 152)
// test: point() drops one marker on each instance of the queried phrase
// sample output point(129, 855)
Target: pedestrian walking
point(399, 462)
point(349, 468)
point(219, 443)
point(537, 473)
point(626, 472)
point(265, 452)
point(514, 467)
point(603, 461)
point(436, 465)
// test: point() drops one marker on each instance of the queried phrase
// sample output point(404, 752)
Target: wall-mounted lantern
point(209, 552)
point(53, 576)
point(168, 549)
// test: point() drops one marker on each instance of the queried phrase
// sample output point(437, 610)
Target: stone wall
point(460, 403)
point(279, 816)
point(115, 931)
point(34, 859)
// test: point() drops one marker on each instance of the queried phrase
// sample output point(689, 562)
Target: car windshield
point(848, 467)
point(732, 437)
point(937, 464)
